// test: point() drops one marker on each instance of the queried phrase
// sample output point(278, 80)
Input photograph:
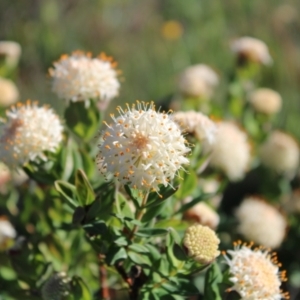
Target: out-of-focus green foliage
point(132, 31)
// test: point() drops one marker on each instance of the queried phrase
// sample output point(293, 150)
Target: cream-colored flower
point(201, 243)
point(203, 214)
point(142, 148)
point(7, 231)
point(231, 151)
point(198, 81)
point(252, 49)
point(196, 123)
point(11, 51)
point(9, 93)
point(280, 152)
point(57, 287)
point(266, 101)
point(29, 131)
point(80, 77)
point(255, 273)
point(261, 222)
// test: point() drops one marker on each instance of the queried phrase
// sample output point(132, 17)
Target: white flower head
point(196, 123)
point(11, 51)
point(255, 273)
point(198, 81)
point(29, 131)
point(80, 77)
point(202, 243)
point(265, 101)
point(231, 151)
point(142, 147)
point(9, 93)
point(261, 222)
point(7, 231)
point(203, 214)
point(280, 152)
point(252, 49)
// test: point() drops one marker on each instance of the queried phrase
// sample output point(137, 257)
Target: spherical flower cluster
point(260, 222)
point(251, 49)
point(231, 151)
point(80, 77)
point(280, 152)
point(203, 214)
point(255, 273)
point(57, 287)
point(266, 101)
point(201, 243)
point(11, 51)
point(7, 231)
point(9, 93)
point(198, 124)
point(198, 81)
point(142, 148)
point(28, 132)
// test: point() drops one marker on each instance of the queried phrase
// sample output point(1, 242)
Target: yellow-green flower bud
point(201, 243)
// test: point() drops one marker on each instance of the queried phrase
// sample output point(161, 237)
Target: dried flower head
point(251, 49)
point(9, 93)
point(280, 152)
point(203, 214)
point(261, 222)
point(198, 124)
point(265, 101)
point(198, 81)
point(11, 51)
point(231, 151)
point(142, 148)
point(255, 273)
point(7, 231)
point(29, 131)
point(80, 77)
point(56, 287)
point(201, 243)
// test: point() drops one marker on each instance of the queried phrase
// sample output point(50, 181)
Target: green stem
point(139, 214)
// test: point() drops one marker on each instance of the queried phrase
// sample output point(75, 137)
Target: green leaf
point(138, 248)
point(96, 228)
point(135, 195)
point(114, 254)
point(83, 121)
point(139, 258)
point(164, 193)
point(123, 206)
point(68, 191)
point(189, 184)
point(153, 211)
point(151, 232)
point(213, 278)
point(78, 215)
point(79, 289)
point(84, 189)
